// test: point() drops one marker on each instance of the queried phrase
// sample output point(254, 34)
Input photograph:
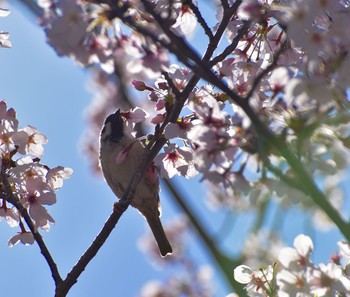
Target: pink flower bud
point(140, 85)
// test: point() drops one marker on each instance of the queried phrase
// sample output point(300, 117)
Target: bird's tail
point(160, 236)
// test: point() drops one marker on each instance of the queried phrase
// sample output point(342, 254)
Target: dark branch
point(200, 18)
point(230, 48)
point(63, 288)
point(268, 69)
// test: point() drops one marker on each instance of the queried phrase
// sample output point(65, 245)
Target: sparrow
point(120, 155)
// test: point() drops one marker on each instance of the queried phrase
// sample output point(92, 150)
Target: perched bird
point(120, 155)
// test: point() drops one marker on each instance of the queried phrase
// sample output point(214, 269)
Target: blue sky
point(50, 94)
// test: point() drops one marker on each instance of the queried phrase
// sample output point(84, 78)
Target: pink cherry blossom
point(30, 141)
point(4, 40)
point(186, 21)
point(256, 281)
point(134, 116)
point(67, 31)
point(249, 9)
point(178, 129)
point(298, 257)
point(56, 175)
point(7, 143)
point(159, 118)
point(10, 215)
point(329, 279)
point(8, 121)
point(179, 75)
point(25, 238)
point(176, 161)
point(293, 283)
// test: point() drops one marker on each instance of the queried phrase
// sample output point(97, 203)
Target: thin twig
point(63, 288)
point(269, 68)
point(171, 84)
point(226, 18)
point(200, 18)
point(233, 45)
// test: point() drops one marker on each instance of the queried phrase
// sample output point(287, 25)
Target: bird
point(120, 155)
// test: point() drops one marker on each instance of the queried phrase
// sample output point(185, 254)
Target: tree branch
point(230, 48)
point(63, 288)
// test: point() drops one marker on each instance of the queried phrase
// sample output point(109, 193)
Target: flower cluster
point(83, 31)
point(296, 274)
point(26, 182)
point(299, 100)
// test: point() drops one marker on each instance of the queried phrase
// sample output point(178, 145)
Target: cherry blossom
point(8, 214)
point(185, 22)
point(56, 175)
point(67, 31)
point(328, 280)
point(293, 283)
point(140, 85)
point(303, 279)
point(25, 238)
point(179, 75)
point(178, 129)
point(176, 161)
point(250, 9)
point(257, 282)
point(30, 142)
point(298, 257)
point(133, 117)
point(36, 194)
point(4, 42)
point(196, 283)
